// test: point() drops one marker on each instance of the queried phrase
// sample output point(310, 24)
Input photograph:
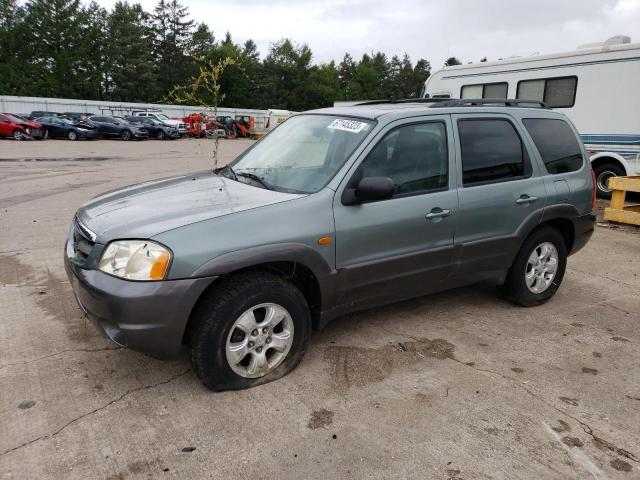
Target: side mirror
point(369, 189)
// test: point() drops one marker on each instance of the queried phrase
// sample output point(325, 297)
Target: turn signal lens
point(159, 267)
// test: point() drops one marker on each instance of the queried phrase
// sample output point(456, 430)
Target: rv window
point(486, 90)
point(556, 92)
point(491, 151)
point(557, 144)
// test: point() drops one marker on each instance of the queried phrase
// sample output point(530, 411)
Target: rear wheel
point(72, 135)
point(603, 173)
point(252, 329)
point(161, 135)
point(538, 269)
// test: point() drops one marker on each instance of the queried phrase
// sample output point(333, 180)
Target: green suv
point(336, 210)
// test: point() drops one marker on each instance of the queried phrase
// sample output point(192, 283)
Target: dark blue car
point(59, 127)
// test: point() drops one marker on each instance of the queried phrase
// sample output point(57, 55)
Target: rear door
point(500, 190)
point(5, 128)
point(400, 247)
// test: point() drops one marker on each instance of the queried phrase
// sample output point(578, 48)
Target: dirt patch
point(40, 194)
point(517, 370)
point(590, 371)
point(358, 366)
point(13, 271)
point(572, 441)
point(26, 405)
point(320, 418)
point(564, 427)
point(569, 401)
point(620, 465)
point(597, 354)
point(620, 339)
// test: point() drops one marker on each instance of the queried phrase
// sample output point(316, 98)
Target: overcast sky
point(431, 29)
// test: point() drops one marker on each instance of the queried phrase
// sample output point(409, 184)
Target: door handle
point(526, 199)
point(437, 213)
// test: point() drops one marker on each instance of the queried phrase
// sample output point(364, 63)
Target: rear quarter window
point(557, 144)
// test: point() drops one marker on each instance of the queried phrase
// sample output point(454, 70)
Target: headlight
point(135, 260)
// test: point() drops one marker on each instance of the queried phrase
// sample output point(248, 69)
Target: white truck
point(597, 86)
point(161, 117)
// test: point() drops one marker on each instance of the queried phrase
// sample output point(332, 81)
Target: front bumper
point(149, 317)
point(87, 134)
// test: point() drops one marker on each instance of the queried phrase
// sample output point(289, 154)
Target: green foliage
point(62, 48)
point(451, 61)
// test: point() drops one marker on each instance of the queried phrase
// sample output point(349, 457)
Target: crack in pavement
point(573, 269)
point(84, 415)
point(61, 352)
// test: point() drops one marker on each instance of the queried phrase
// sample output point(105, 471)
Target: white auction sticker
point(347, 125)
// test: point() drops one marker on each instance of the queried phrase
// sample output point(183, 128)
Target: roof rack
point(402, 100)
point(481, 102)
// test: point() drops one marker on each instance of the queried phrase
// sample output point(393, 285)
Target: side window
point(557, 92)
point(3, 118)
point(557, 144)
point(414, 156)
point(485, 90)
point(491, 151)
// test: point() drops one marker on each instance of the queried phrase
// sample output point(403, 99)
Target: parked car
point(114, 127)
point(38, 114)
point(59, 127)
point(336, 210)
point(155, 128)
point(12, 125)
point(161, 117)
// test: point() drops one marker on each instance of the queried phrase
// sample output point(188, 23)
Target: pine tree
point(131, 72)
point(173, 34)
point(13, 70)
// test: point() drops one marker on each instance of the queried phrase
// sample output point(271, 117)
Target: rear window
point(491, 151)
point(557, 144)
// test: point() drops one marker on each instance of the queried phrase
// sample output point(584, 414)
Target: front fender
point(280, 252)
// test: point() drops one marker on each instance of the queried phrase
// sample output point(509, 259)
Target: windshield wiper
point(255, 178)
point(228, 168)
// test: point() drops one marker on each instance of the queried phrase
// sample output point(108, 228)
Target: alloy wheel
point(541, 267)
point(259, 340)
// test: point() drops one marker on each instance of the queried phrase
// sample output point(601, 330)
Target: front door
point(500, 189)
point(401, 247)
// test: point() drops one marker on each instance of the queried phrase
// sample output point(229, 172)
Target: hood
point(31, 124)
point(147, 209)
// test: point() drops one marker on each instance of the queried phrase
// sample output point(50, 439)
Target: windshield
point(15, 118)
point(303, 153)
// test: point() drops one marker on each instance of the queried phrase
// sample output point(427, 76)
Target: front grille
point(83, 241)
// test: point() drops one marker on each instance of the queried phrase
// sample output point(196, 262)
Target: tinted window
point(485, 90)
point(556, 92)
point(3, 118)
point(491, 151)
point(557, 144)
point(414, 157)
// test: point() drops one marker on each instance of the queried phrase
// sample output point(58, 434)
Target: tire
point(517, 287)
point(216, 331)
point(125, 135)
point(603, 172)
point(72, 135)
point(17, 135)
point(161, 135)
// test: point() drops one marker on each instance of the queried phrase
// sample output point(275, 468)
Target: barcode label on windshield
point(347, 125)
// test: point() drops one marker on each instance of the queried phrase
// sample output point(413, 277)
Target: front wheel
point(161, 135)
point(72, 135)
point(603, 173)
point(538, 269)
point(126, 135)
point(17, 135)
point(252, 329)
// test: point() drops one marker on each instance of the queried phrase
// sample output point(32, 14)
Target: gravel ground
point(457, 385)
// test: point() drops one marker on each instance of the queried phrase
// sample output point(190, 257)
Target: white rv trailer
point(597, 86)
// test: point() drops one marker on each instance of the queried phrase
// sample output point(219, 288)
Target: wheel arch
point(609, 157)
point(297, 263)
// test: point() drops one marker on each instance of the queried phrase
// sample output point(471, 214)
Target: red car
point(12, 125)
